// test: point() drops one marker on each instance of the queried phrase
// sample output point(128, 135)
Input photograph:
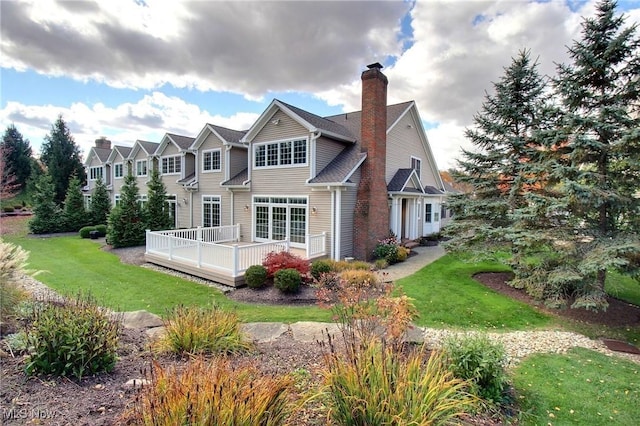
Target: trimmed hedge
point(255, 276)
point(287, 280)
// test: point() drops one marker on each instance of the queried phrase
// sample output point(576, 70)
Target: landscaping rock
point(264, 332)
point(311, 332)
point(156, 332)
point(140, 319)
point(136, 383)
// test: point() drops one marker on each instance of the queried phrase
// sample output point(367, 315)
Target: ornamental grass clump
point(481, 363)
point(72, 338)
point(198, 330)
point(373, 384)
point(212, 392)
point(13, 264)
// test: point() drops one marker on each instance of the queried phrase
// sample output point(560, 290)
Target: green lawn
point(582, 387)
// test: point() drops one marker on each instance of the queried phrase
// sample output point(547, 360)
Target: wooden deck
point(208, 273)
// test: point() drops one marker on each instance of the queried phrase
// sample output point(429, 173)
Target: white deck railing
point(200, 247)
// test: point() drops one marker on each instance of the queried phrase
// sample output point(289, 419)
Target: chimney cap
point(375, 65)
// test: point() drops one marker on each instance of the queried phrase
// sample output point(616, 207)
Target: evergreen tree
point(47, 216)
point(157, 208)
point(100, 204)
point(8, 182)
point(501, 169)
point(599, 175)
point(126, 226)
point(75, 215)
point(17, 155)
point(61, 156)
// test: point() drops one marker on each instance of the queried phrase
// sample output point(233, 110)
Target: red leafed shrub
point(276, 261)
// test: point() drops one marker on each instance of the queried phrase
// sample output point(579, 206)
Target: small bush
point(255, 276)
point(8, 209)
point(320, 267)
point(74, 338)
point(196, 330)
point(276, 261)
point(343, 265)
point(13, 263)
point(480, 362)
point(374, 385)
point(287, 280)
point(381, 264)
point(102, 230)
point(212, 392)
point(17, 207)
point(359, 278)
point(402, 254)
point(85, 231)
point(387, 249)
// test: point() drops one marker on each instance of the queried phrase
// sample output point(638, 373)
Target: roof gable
point(311, 122)
point(101, 154)
point(122, 151)
point(181, 142)
point(149, 148)
point(226, 136)
point(405, 180)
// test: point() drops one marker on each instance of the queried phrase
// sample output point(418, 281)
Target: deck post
point(234, 260)
point(236, 232)
point(170, 247)
point(198, 233)
point(146, 241)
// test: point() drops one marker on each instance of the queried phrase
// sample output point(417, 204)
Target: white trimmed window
point(141, 168)
point(171, 165)
point(210, 211)
point(118, 170)
point(86, 198)
point(416, 164)
point(96, 173)
point(211, 160)
point(172, 201)
point(427, 212)
point(278, 154)
point(116, 199)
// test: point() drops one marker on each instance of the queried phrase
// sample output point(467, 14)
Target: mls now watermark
point(14, 413)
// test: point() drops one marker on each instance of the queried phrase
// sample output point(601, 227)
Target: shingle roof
point(339, 169)
point(352, 120)
point(123, 150)
point(322, 123)
point(184, 142)
point(399, 180)
point(150, 147)
point(102, 153)
point(229, 135)
point(238, 179)
point(432, 190)
point(187, 179)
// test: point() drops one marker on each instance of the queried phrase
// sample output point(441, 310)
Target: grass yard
point(582, 387)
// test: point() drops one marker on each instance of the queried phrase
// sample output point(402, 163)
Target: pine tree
point(75, 215)
point(17, 155)
point(157, 208)
point(9, 186)
point(599, 176)
point(500, 171)
point(47, 216)
point(100, 204)
point(126, 225)
point(61, 155)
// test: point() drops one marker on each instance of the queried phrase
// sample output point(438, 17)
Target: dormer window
point(96, 173)
point(211, 161)
point(118, 170)
point(279, 154)
point(171, 165)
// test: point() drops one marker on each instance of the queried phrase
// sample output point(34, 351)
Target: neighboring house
point(355, 177)
point(97, 167)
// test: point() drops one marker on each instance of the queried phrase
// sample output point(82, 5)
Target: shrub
point(320, 267)
point(17, 207)
point(381, 264)
point(102, 230)
point(287, 280)
point(343, 265)
point(479, 361)
point(196, 330)
point(13, 263)
point(73, 338)
point(359, 278)
point(276, 261)
point(8, 209)
point(374, 385)
point(387, 249)
point(211, 392)
point(84, 232)
point(402, 254)
point(255, 276)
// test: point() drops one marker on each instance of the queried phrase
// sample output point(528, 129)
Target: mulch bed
point(618, 314)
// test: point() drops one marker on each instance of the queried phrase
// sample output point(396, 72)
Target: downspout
point(312, 161)
point(190, 209)
point(232, 200)
point(333, 224)
point(338, 237)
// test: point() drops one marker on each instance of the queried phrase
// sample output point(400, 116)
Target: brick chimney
point(371, 212)
point(103, 142)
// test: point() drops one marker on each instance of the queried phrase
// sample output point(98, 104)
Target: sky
point(137, 69)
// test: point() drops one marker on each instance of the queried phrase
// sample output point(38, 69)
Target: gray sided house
point(352, 178)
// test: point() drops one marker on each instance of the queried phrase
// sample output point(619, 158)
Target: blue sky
point(132, 70)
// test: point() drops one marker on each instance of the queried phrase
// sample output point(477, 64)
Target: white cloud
point(148, 119)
